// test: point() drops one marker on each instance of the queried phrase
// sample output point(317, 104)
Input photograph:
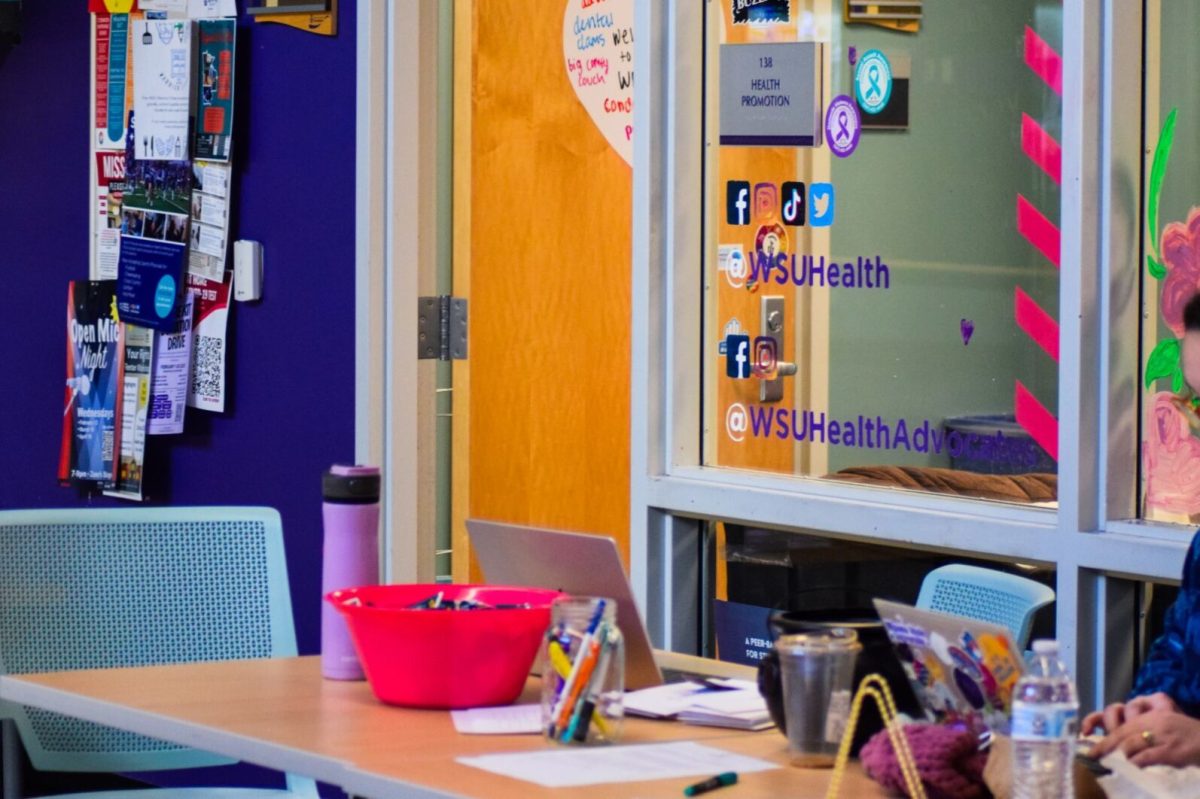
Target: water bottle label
point(1042, 722)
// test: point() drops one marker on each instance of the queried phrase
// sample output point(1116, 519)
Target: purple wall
point(292, 355)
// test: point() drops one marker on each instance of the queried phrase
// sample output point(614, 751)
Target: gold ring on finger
point(1148, 737)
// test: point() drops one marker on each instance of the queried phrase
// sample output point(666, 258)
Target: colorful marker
point(711, 784)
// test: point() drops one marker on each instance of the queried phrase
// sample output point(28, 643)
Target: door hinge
point(441, 328)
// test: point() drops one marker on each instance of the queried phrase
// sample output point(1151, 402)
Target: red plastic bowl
point(445, 658)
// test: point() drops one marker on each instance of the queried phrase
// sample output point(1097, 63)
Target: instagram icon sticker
point(766, 200)
point(766, 357)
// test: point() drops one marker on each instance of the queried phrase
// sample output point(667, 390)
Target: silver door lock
point(768, 348)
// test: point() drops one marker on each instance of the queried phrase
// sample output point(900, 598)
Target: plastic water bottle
point(1045, 720)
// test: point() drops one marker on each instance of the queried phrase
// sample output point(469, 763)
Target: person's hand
point(1119, 713)
point(1160, 737)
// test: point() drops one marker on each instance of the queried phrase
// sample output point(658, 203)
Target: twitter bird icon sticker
point(821, 202)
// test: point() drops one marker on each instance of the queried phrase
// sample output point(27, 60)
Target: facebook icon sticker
point(737, 356)
point(737, 202)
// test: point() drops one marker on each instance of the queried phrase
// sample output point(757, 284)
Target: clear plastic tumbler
point(818, 684)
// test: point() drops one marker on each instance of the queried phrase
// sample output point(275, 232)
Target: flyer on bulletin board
point(172, 373)
point(162, 71)
point(208, 359)
point(214, 89)
point(113, 96)
point(154, 233)
point(93, 392)
point(135, 400)
point(210, 220)
point(110, 189)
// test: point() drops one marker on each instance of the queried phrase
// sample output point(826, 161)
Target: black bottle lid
point(355, 485)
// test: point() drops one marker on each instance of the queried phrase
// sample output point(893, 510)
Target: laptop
point(962, 670)
point(575, 563)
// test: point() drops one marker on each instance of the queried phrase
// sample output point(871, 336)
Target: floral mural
point(1170, 449)
point(1181, 252)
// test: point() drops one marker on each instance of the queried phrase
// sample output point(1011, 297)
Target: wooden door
point(543, 251)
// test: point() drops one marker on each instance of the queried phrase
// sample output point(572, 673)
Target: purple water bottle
point(351, 557)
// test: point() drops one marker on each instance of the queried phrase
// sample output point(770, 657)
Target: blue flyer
point(148, 281)
point(154, 236)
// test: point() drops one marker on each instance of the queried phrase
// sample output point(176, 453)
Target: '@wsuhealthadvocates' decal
point(598, 53)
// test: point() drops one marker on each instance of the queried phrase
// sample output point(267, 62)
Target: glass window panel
point(914, 308)
point(760, 571)
point(1170, 269)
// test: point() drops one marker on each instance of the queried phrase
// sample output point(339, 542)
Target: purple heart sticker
point(967, 327)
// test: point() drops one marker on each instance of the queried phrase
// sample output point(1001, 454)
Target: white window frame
point(1085, 539)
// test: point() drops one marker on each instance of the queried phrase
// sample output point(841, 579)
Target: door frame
point(396, 196)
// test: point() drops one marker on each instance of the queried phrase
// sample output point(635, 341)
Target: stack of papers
point(715, 703)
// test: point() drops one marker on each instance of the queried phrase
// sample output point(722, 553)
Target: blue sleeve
point(1173, 663)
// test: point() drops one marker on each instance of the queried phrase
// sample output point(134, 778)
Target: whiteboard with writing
point(598, 54)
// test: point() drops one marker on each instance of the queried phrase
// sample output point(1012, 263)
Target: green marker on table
point(711, 784)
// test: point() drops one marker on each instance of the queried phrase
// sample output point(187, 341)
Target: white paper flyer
point(110, 188)
point(172, 373)
point(162, 57)
point(210, 220)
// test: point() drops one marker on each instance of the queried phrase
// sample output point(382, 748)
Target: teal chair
point(103, 588)
point(986, 594)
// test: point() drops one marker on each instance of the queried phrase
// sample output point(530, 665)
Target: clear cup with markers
point(583, 672)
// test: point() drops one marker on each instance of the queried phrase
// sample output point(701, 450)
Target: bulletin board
point(291, 371)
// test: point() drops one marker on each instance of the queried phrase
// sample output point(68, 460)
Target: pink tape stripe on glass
point(1040, 231)
point(1041, 148)
point(1036, 323)
point(1035, 420)
point(1041, 58)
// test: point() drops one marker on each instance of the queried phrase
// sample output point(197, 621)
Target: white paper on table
point(661, 701)
point(733, 682)
point(508, 720)
point(735, 702)
point(571, 768)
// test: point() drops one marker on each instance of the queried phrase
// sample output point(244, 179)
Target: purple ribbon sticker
point(842, 126)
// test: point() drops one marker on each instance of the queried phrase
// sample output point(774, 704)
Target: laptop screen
point(575, 563)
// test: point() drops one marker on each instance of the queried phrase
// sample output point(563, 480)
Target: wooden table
point(281, 714)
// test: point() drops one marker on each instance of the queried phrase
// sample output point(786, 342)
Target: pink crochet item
point(949, 761)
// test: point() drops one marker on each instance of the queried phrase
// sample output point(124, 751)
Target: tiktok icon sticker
point(842, 126)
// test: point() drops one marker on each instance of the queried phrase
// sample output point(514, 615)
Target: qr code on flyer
point(208, 374)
